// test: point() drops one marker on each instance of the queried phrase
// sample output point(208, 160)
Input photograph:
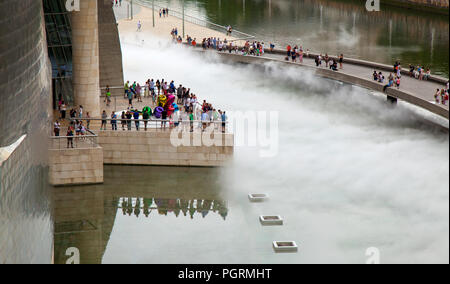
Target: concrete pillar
point(85, 54)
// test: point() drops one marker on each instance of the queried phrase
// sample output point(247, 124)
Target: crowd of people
point(117, 3)
point(441, 95)
point(170, 104)
point(392, 81)
point(419, 72)
point(164, 12)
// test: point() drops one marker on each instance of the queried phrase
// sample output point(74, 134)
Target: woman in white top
point(147, 89)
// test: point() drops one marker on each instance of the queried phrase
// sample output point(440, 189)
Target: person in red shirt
point(288, 52)
point(194, 42)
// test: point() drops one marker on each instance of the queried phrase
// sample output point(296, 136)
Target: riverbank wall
point(154, 148)
point(76, 166)
point(436, 6)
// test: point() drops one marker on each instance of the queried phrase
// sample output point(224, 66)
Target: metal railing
point(73, 142)
point(238, 35)
point(158, 124)
point(79, 141)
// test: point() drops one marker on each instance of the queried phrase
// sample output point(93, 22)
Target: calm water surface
point(335, 26)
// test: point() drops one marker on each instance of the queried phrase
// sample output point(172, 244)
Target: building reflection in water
point(136, 206)
point(84, 216)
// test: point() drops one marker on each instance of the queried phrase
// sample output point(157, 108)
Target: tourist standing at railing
point(69, 136)
point(164, 118)
point(444, 96)
point(223, 116)
point(389, 84)
point(114, 121)
point(56, 128)
point(88, 121)
point(146, 117)
point(136, 116)
point(129, 116)
point(437, 95)
point(104, 117)
point(341, 61)
point(123, 122)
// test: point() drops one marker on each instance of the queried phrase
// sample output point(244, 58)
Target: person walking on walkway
point(126, 89)
point(341, 61)
point(139, 26)
point(130, 100)
point(437, 95)
point(63, 110)
point(108, 96)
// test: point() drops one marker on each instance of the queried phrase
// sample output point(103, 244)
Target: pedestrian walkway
point(423, 90)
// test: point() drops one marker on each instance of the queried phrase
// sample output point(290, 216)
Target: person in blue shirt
point(136, 116)
point(114, 121)
point(223, 116)
point(391, 82)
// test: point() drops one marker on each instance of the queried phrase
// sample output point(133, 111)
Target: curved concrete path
point(419, 93)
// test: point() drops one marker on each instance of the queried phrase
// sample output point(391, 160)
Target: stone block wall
point(154, 148)
point(86, 74)
point(110, 52)
point(76, 166)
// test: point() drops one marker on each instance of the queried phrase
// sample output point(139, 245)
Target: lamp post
point(183, 18)
point(132, 9)
point(153, 9)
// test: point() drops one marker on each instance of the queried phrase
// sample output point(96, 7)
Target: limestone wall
point(76, 166)
point(440, 5)
point(110, 52)
point(86, 66)
point(154, 148)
